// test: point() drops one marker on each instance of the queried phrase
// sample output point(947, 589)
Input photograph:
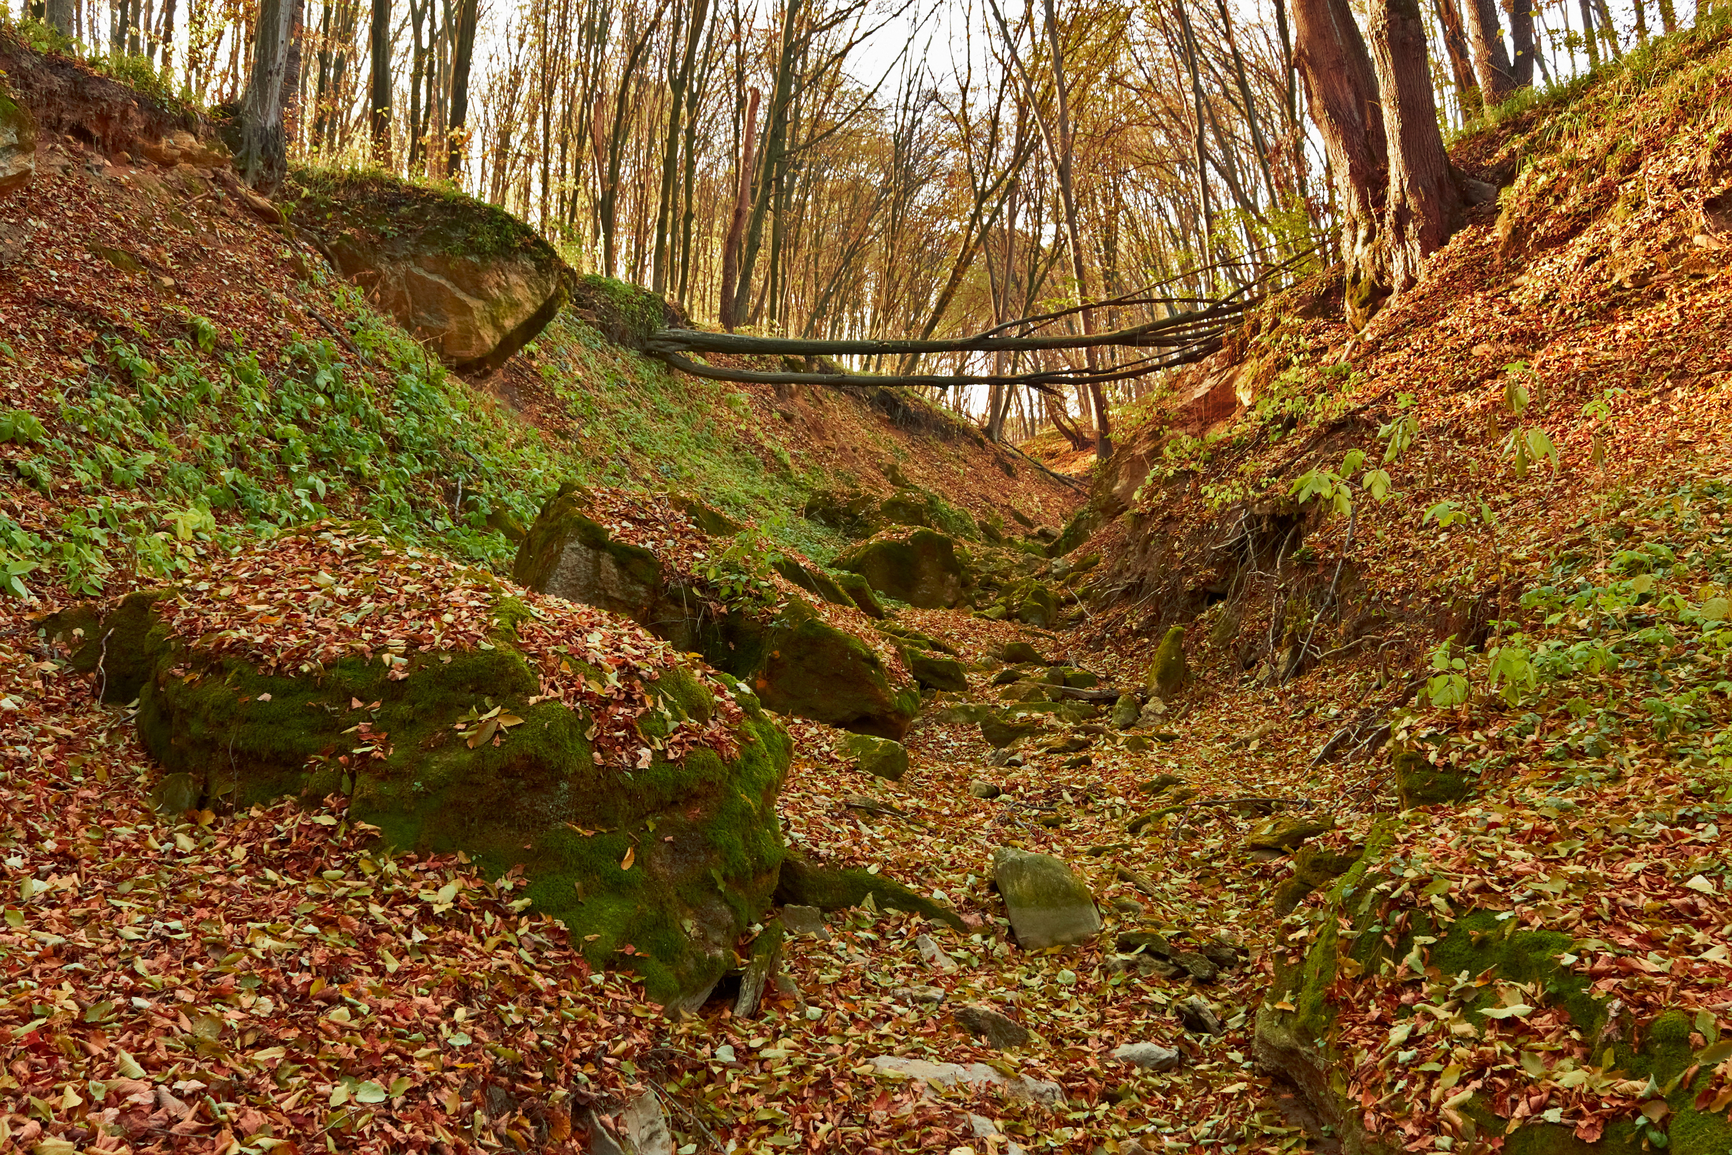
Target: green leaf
point(1518, 1011)
point(371, 1092)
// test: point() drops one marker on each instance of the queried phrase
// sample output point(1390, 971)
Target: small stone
point(805, 920)
point(1126, 711)
point(933, 955)
point(1078, 762)
point(1153, 713)
point(1200, 1018)
point(1129, 907)
point(1200, 967)
point(999, 1032)
point(1221, 954)
point(981, 788)
point(1047, 1094)
point(879, 757)
point(1149, 1056)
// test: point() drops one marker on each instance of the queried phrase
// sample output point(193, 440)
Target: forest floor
point(268, 980)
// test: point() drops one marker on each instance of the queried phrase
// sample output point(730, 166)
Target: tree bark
point(263, 159)
point(1343, 94)
point(1460, 58)
point(1490, 57)
point(1588, 34)
point(737, 227)
point(1424, 204)
point(457, 144)
point(58, 16)
point(1521, 34)
point(379, 87)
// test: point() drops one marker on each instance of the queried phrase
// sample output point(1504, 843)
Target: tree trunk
point(1668, 17)
point(1588, 34)
point(1460, 58)
point(1424, 205)
point(1342, 91)
point(58, 16)
point(379, 87)
point(457, 142)
point(1490, 57)
point(1521, 34)
point(729, 315)
point(262, 159)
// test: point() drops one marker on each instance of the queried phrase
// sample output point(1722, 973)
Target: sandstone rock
point(1019, 653)
point(937, 673)
point(999, 1032)
point(1149, 1056)
point(879, 757)
point(466, 277)
point(1047, 903)
point(921, 569)
point(1126, 711)
point(17, 142)
point(934, 955)
point(1045, 1093)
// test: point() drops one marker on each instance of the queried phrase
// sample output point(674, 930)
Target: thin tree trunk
point(58, 14)
point(457, 142)
point(1460, 58)
point(728, 314)
point(1588, 34)
point(379, 86)
point(1521, 34)
point(1490, 57)
point(262, 159)
point(1668, 17)
point(1423, 201)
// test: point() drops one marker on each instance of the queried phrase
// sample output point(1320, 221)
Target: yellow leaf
point(630, 857)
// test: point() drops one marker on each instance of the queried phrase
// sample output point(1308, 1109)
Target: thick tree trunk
point(457, 144)
point(1424, 204)
point(729, 316)
point(1342, 91)
point(262, 159)
point(1490, 57)
point(1521, 34)
point(379, 86)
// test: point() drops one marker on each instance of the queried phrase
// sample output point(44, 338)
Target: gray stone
point(1199, 1017)
point(1047, 1094)
point(17, 143)
point(176, 794)
point(642, 1129)
point(1129, 907)
point(933, 955)
point(1126, 711)
point(879, 757)
point(999, 1032)
point(1154, 712)
point(1047, 903)
point(1203, 970)
point(982, 1128)
point(1149, 1056)
point(982, 789)
point(931, 995)
point(802, 920)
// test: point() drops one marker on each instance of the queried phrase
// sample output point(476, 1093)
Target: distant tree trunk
point(1460, 58)
point(457, 142)
point(1521, 34)
point(1491, 58)
point(729, 314)
point(379, 86)
point(1588, 33)
point(58, 15)
point(165, 33)
point(262, 159)
point(1668, 17)
point(1342, 91)
point(1424, 204)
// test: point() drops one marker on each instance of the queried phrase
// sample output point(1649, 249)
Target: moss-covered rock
point(815, 581)
point(635, 791)
point(1004, 728)
point(1126, 711)
point(879, 757)
point(814, 670)
point(1421, 783)
point(921, 569)
point(17, 141)
point(1076, 531)
point(1020, 653)
point(1047, 903)
point(859, 591)
point(468, 278)
point(853, 512)
point(806, 883)
point(936, 673)
point(567, 554)
point(1168, 672)
point(624, 313)
point(1030, 602)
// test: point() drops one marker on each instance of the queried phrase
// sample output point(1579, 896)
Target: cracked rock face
point(17, 143)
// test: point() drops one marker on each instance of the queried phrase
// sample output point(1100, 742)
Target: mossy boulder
point(813, 670)
point(569, 555)
point(797, 662)
point(1004, 728)
point(1421, 783)
point(1126, 711)
point(17, 142)
point(624, 313)
point(642, 815)
point(879, 757)
point(922, 569)
point(1168, 672)
point(1020, 653)
point(1047, 903)
point(1473, 976)
point(1030, 602)
point(1076, 531)
point(936, 673)
point(806, 883)
point(853, 512)
point(473, 282)
point(859, 591)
